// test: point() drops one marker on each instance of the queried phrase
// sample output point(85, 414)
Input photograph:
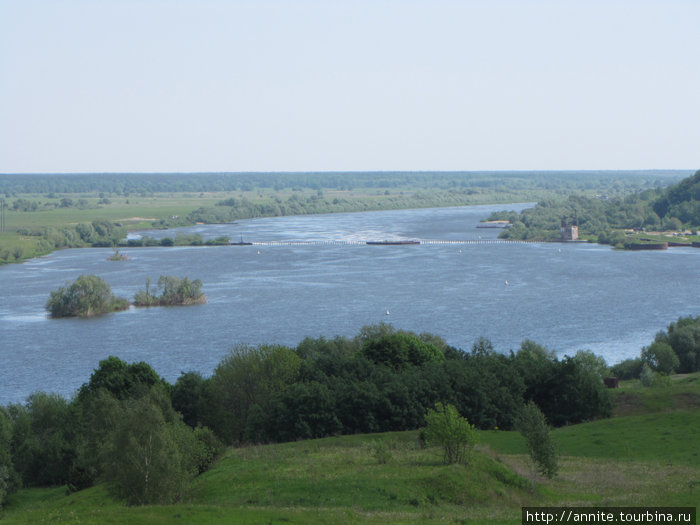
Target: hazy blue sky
point(265, 85)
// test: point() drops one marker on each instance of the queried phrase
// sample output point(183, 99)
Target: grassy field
point(642, 457)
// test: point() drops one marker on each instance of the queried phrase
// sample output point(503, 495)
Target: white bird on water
point(507, 282)
point(388, 312)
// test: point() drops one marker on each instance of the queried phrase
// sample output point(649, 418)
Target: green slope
point(644, 459)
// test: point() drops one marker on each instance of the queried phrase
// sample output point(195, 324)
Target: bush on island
point(89, 295)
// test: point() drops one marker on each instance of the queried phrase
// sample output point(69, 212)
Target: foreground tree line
point(146, 438)
point(674, 350)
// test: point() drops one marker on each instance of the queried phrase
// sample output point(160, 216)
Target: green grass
point(648, 459)
point(643, 457)
point(633, 398)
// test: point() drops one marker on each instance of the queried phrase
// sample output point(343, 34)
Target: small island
point(88, 296)
point(174, 291)
point(116, 256)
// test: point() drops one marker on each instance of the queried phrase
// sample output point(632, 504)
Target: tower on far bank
point(569, 230)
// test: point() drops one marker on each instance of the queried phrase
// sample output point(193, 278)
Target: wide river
point(564, 296)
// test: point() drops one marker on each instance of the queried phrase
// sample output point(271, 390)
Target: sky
point(348, 85)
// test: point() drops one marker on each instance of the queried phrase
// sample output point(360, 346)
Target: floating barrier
point(364, 242)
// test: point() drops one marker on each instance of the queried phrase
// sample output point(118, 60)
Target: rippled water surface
point(565, 296)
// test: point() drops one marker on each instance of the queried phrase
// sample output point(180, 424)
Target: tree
point(591, 362)
point(660, 357)
point(142, 460)
point(684, 337)
point(121, 379)
point(532, 425)
point(303, 410)
point(400, 350)
point(647, 375)
point(567, 391)
point(447, 429)
point(43, 439)
point(189, 397)
point(628, 369)
point(535, 364)
point(9, 481)
point(248, 376)
point(175, 291)
point(89, 295)
point(98, 413)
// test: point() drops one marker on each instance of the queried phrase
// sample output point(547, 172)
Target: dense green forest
point(126, 422)
point(137, 183)
point(675, 208)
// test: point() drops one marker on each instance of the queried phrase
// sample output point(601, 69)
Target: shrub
point(88, 296)
point(174, 291)
point(647, 375)
point(446, 428)
point(628, 369)
point(400, 350)
point(381, 452)
point(534, 428)
point(660, 357)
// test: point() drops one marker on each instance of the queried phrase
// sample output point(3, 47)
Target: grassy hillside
point(648, 458)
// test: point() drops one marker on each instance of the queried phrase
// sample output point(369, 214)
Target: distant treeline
point(135, 183)
point(672, 208)
point(310, 193)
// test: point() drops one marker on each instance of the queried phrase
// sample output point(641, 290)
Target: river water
point(565, 296)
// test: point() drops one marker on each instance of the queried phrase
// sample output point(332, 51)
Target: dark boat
point(649, 246)
point(241, 243)
point(391, 243)
point(494, 224)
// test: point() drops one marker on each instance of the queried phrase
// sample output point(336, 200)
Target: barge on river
point(391, 243)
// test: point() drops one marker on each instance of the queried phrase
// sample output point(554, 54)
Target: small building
point(611, 382)
point(569, 231)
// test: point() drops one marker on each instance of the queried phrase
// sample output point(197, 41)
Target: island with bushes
point(174, 291)
point(90, 295)
point(87, 296)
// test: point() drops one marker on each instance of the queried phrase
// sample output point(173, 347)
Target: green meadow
point(647, 455)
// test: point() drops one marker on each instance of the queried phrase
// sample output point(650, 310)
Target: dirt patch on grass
point(687, 400)
point(609, 482)
point(628, 405)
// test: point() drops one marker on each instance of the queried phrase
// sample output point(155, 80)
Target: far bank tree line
point(673, 208)
point(90, 295)
point(146, 438)
point(378, 191)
